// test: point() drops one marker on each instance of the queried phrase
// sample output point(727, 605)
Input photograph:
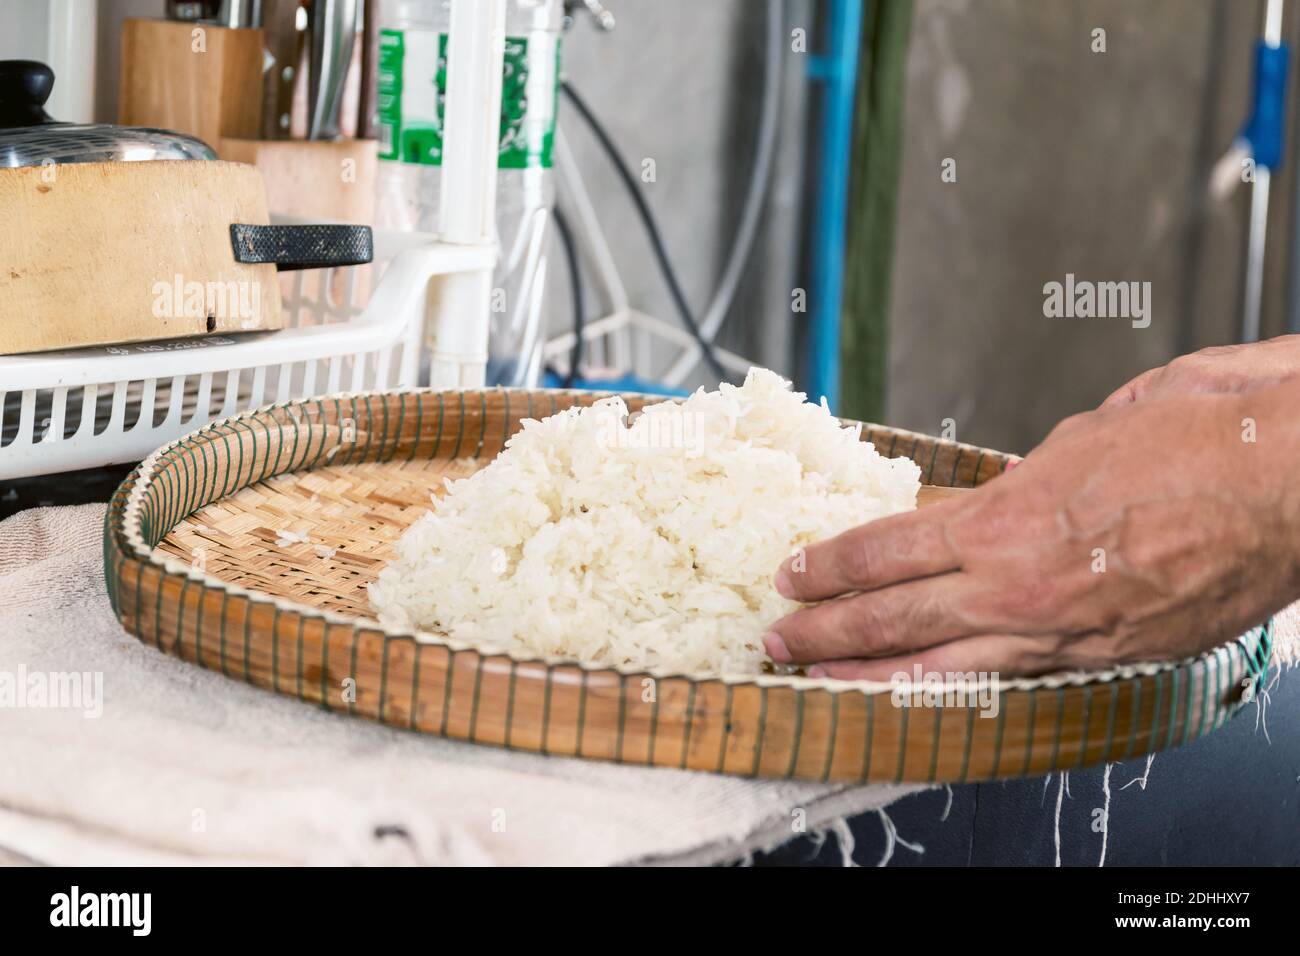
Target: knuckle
point(1067, 425)
point(857, 562)
point(1028, 600)
point(879, 625)
point(1191, 369)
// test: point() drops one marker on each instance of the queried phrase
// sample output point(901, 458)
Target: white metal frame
point(621, 338)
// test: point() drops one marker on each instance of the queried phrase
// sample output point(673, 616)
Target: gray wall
point(108, 65)
point(1067, 161)
point(23, 29)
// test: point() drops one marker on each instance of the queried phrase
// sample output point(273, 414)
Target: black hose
point(575, 292)
point(651, 228)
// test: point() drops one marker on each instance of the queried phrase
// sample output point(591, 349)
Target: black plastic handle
point(303, 246)
point(25, 85)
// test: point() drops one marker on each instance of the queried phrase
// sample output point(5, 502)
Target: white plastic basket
point(87, 408)
point(61, 411)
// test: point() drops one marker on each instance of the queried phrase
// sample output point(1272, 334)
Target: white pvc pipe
point(71, 55)
point(475, 52)
point(458, 317)
point(1256, 239)
point(1273, 23)
point(1257, 236)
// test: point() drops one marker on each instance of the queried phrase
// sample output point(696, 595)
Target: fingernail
point(776, 648)
point(816, 671)
point(784, 584)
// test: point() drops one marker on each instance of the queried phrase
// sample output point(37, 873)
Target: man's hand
point(1227, 368)
point(1145, 532)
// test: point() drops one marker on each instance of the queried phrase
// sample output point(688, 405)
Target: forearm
point(1264, 464)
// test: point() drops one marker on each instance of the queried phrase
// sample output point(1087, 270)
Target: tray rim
point(139, 480)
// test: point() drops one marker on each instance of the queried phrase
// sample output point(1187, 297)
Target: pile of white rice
point(649, 543)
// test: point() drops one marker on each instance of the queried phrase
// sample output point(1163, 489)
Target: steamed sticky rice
point(646, 541)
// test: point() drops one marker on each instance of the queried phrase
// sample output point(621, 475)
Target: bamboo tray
point(205, 558)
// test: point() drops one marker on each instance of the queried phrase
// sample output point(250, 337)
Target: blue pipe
point(838, 69)
point(1266, 127)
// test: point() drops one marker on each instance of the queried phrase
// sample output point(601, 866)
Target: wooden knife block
point(314, 179)
point(192, 78)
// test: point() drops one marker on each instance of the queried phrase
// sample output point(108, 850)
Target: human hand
point(1227, 368)
point(1152, 531)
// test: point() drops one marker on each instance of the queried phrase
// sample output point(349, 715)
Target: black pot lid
point(29, 137)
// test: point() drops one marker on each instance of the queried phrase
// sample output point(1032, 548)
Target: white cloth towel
point(187, 766)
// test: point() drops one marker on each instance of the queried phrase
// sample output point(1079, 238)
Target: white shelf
point(86, 408)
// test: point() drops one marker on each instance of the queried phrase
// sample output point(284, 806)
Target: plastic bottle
point(411, 92)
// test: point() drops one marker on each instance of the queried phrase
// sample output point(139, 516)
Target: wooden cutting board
point(99, 253)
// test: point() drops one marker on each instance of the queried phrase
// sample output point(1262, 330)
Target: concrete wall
point(1067, 161)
